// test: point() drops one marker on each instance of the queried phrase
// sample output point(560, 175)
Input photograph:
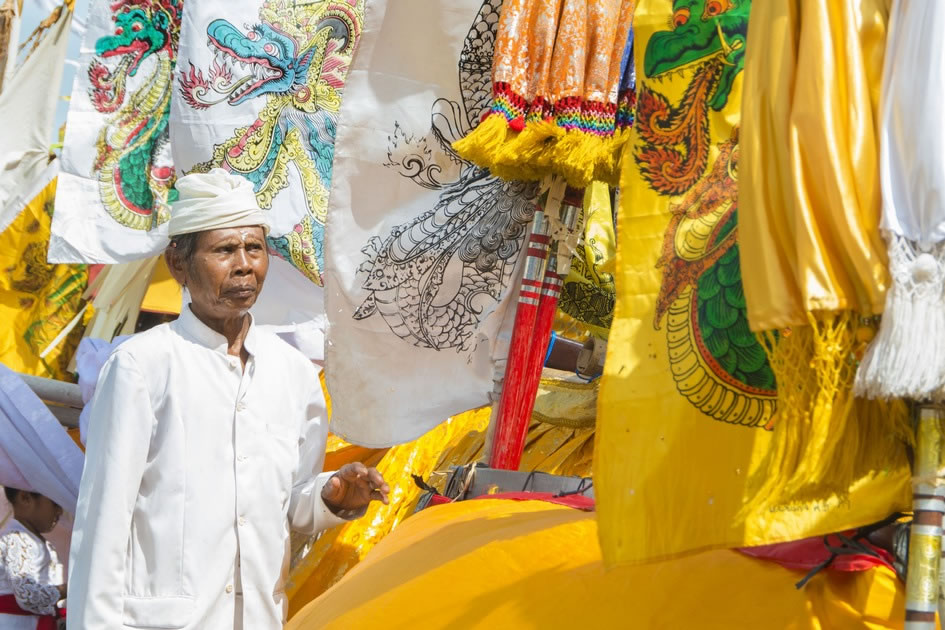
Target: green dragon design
point(716, 361)
point(297, 58)
point(133, 162)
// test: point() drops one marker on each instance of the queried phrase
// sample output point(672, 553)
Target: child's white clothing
point(30, 571)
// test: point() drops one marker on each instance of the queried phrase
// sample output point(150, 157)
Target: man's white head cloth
point(213, 201)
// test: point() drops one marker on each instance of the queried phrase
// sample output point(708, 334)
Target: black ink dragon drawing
point(435, 279)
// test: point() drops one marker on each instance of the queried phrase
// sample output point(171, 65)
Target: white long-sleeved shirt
point(195, 470)
point(30, 571)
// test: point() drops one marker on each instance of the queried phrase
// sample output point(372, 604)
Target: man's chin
point(243, 302)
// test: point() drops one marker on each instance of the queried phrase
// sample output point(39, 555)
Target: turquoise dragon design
point(297, 58)
point(133, 162)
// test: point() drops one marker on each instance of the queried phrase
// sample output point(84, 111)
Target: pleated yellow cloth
point(688, 392)
point(812, 258)
point(809, 226)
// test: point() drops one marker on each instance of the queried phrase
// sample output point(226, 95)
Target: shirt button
point(229, 588)
point(242, 521)
point(241, 407)
point(241, 458)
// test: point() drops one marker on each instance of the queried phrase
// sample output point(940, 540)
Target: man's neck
point(233, 329)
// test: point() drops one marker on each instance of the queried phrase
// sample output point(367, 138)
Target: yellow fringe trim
point(607, 169)
point(823, 440)
point(481, 145)
point(543, 148)
point(530, 155)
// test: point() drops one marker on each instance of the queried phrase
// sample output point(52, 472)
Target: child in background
point(31, 580)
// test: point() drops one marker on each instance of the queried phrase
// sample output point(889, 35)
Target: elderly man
point(206, 440)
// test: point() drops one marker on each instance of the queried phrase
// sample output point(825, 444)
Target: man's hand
point(353, 487)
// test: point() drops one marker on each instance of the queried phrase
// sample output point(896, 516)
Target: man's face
point(228, 270)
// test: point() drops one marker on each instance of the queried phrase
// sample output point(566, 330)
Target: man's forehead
point(242, 233)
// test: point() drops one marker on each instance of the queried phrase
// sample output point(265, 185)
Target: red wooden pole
point(507, 422)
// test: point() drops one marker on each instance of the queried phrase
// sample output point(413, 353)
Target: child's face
point(37, 511)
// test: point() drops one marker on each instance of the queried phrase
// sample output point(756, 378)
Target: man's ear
point(175, 265)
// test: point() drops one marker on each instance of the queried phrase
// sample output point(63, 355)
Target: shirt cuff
point(325, 515)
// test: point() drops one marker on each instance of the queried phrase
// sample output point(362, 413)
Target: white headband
point(212, 201)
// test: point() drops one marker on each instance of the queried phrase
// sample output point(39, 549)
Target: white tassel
point(907, 357)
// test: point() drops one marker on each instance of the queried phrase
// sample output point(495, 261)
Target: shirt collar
point(190, 325)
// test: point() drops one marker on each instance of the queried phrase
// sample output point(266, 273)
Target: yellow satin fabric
point(317, 565)
point(680, 437)
point(809, 197)
point(37, 300)
point(509, 564)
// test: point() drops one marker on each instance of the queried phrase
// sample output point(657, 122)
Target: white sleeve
point(17, 555)
point(308, 513)
point(118, 443)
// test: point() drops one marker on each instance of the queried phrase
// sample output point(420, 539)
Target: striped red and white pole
point(571, 207)
point(544, 322)
point(507, 421)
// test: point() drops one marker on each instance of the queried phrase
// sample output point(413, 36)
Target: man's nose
point(242, 261)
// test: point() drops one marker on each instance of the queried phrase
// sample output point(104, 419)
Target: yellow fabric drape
point(507, 564)
point(810, 199)
point(687, 391)
point(558, 450)
point(812, 256)
point(164, 294)
point(37, 300)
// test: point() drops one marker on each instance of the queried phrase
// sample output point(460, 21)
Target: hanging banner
point(688, 397)
point(117, 176)
point(259, 89)
point(423, 245)
point(28, 111)
point(38, 300)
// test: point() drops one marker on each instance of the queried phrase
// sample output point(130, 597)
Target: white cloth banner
point(905, 359)
point(117, 178)
point(258, 91)
point(28, 111)
point(36, 453)
point(422, 247)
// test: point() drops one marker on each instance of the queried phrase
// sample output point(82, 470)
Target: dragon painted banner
point(117, 176)
point(37, 299)
point(688, 396)
point(259, 88)
point(423, 245)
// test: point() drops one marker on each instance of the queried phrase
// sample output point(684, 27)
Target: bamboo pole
point(9, 34)
point(925, 537)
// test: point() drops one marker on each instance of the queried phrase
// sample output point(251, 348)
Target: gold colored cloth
point(809, 196)
point(459, 441)
point(498, 564)
point(688, 393)
point(37, 300)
